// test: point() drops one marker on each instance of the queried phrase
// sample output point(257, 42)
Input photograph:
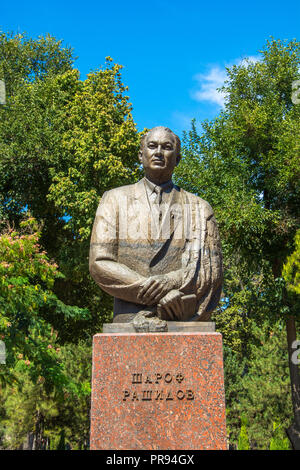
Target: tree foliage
point(291, 269)
point(26, 299)
point(245, 163)
point(63, 142)
point(100, 148)
point(252, 151)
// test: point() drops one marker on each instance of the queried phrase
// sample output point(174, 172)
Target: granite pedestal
point(158, 391)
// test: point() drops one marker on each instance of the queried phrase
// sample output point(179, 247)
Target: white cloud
point(209, 82)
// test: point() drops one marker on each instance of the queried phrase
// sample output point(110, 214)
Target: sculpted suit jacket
point(131, 241)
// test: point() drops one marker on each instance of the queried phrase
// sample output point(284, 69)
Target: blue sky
point(173, 52)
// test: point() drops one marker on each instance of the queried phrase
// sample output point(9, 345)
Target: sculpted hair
point(166, 129)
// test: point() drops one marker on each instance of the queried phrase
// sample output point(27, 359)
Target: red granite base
point(159, 391)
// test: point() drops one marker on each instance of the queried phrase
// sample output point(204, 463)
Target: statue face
point(159, 156)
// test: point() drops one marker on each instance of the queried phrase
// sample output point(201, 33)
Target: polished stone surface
point(158, 391)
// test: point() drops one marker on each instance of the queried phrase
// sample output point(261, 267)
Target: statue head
point(159, 153)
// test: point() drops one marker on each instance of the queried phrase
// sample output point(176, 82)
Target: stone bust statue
point(155, 247)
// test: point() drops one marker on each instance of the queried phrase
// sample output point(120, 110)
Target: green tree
point(63, 142)
point(246, 164)
point(80, 140)
point(99, 152)
point(291, 269)
point(243, 441)
point(36, 378)
point(234, 371)
point(257, 386)
point(27, 302)
point(27, 59)
point(100, 148)
point(74, 411)
point(30, 123)
point(278, 441)
point(40, 82)
point(32, 417)
point(266, 394)
point(27, 406)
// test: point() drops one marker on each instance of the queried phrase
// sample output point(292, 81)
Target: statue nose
point(158, 150)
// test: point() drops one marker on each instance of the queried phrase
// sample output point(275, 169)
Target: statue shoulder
point(119, 192)
point(201, 203)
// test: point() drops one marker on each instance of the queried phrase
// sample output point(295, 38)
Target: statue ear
point(178, 158)
point(140, 155)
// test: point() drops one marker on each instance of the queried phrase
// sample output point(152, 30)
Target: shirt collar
point(166, 187)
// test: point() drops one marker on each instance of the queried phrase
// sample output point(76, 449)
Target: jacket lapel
point(172, 223)
point(173, 215)
point(141, 209)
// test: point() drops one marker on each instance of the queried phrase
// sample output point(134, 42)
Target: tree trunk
point(293, 431)
point(28, 445)
point(38, 443)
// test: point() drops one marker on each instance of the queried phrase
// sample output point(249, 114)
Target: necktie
point(158, 191)
point(160, 195)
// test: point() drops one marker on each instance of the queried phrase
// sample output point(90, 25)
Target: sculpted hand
point(154, 289)
point(170, 306)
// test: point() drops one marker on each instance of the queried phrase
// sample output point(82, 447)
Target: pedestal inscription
point(156, 379)
point(158, 391)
